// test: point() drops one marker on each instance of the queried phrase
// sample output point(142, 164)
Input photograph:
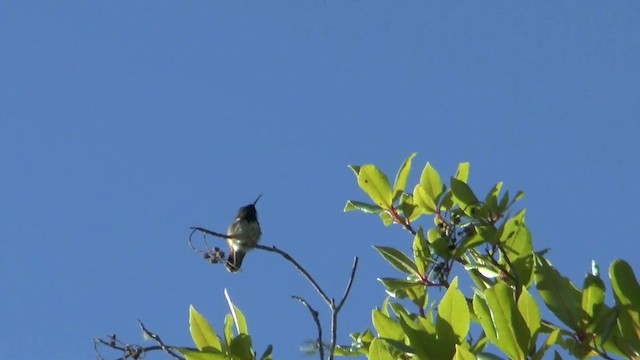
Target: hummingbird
point(243, 235)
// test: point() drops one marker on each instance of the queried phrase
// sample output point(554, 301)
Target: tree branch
point(316, 319)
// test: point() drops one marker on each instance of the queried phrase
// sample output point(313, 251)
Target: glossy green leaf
point(558, 293)
point(453, 317)
point(202, 333)
point(401, 177)
point(349, 351)
point(528, 308)
point(516, 240)
point(386, 326)
point(421, 252)
point(422, 342)
point(464, 197)
point(409, 209)
point(463, 172)
point(355, 169)
point(228, 328)
point(593, 293)
point(626, 292)
point(191, 354)
point(387, 220)
point(553, 339)
point(379, 350)
point(431, 184)
point(512, 332)
point(488, 356)
point(375, 183)
point(482, 312)
point(398, 259)
point(463, 354)
point(238, 316)
point(491, 200)
point(240, 348)
point(352, 205)
point(423, 200)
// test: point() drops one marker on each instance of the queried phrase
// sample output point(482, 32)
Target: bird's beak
point(259, 196)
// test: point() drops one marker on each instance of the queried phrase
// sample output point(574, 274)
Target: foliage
point(496, 252)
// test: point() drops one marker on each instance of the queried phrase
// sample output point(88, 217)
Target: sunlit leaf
point(512, 333)
point(238, 316)
point(558, 293)
point(386, 326)
point(352, 205)
point(240, 347)
point(398, 259)
point(453, 317)
point(401, 177)
point(464, 197)
point(463, 172)
point(202, 333)
point(375, 183)
point(528, 308)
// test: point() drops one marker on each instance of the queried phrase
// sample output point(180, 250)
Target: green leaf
point(409, 209)
point(386, 326)
point(426, 204)
point(267, 355)
point(387, 220)
point(401, 178)
point(463, 354)
point(593, 293)
point(398, 260)
point(516, 238)
point(375, 183)
point(421, 252)
point(431, 185)
point(481, 309)
point(364, 207)
point(626, 292)
point(192, 354)
point(422, 342)
point(240, 347)
point(355, 169)
point(530, 313)
point(202, 333)
point(464, 197)
point(463, 172)
point(228, 328)
point(553, 339)
point(439, 244)
point(453, 318)
point(512, 333)
point(238, 316)
point(558, 293)
point(379, 350)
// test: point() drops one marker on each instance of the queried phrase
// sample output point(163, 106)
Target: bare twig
point(162, 345)
point(304, 272)
point(316, 319)
point(348, 289)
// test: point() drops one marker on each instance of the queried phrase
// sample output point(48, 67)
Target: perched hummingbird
point(243, 235)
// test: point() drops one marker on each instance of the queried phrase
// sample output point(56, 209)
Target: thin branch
point(316, 319)
point(335, 310)
point(212, 233)
point(300, 268)
point(348, 289)
point(162, 345)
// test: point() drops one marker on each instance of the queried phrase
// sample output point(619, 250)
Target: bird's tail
point(235, 260)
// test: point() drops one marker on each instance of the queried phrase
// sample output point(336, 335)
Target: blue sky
point(122, 124)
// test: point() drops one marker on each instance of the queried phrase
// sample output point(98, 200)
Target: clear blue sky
point(124, 123)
